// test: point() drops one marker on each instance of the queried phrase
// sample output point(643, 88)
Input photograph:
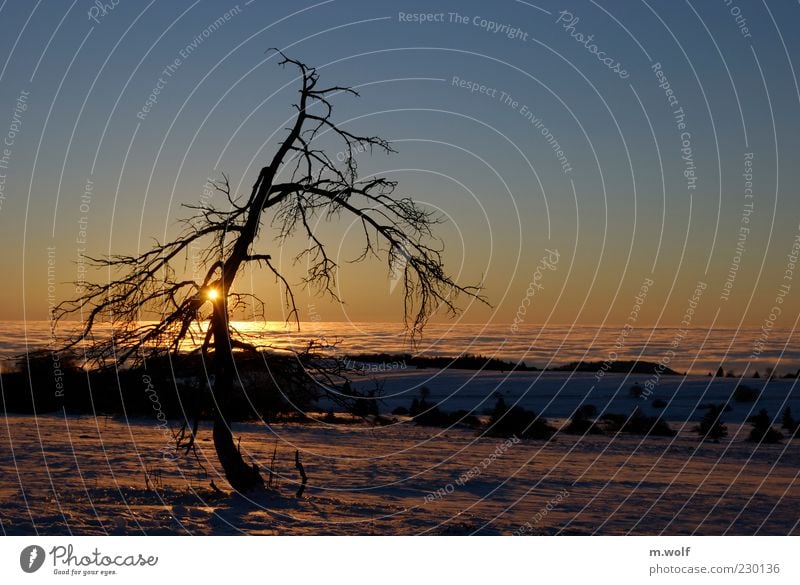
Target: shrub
point(711, 426)
point(427, 414)
point(432, 417)
point(424, 412)
point(581, 422)
point(745, 394)
point(421, 404)
point(638, 424)
point(364, 406)
point(517, 421)
point(464, 418)
point(762, 431)
point(613, 422)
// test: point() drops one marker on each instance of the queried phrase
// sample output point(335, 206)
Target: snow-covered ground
point(558, 394)
point(80, 475)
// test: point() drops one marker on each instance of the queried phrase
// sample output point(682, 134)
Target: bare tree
point(393, 228)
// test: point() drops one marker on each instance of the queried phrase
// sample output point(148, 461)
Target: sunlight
point(212, 294)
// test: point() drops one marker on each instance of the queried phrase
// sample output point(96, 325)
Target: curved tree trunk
point(241, 476)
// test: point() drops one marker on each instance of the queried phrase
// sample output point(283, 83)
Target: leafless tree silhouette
point(393, 228)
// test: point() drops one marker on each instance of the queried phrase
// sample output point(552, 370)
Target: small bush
point(432, 417)
point(427, 414)
point(745, 394)
point(581, 422)
point(364, 406)
point(637, 424)
point(711, 426)
point(517, 421)
point(762, 431)
point(464, 418)
point(424, 412)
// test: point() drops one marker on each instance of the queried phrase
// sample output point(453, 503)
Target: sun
point(212, 294)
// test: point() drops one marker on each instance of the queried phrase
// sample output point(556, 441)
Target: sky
point(604, 162)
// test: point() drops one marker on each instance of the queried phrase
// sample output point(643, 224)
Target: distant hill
point(620, 367)
point(387, 361)
point(384, 361)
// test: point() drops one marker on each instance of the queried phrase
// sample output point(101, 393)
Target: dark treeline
point(617, 367)
point(174, 387)
point(463, 362)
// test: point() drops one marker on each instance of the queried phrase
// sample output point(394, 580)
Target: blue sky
point(623, 213)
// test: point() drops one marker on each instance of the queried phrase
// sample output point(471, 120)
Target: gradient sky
point(623, 214)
